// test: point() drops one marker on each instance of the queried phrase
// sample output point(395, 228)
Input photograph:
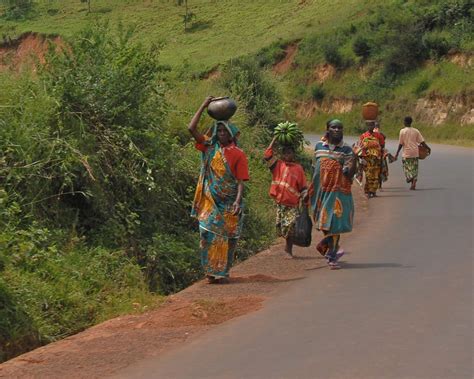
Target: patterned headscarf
point(231, 128)
point(334, 122)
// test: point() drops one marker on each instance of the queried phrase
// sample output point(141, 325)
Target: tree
point(188, 16)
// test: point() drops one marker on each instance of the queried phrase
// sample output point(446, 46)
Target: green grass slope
point(221, 30)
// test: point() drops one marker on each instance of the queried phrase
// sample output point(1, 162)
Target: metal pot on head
point(222, 108)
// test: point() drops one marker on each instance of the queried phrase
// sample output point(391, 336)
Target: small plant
point(17, 9)
point(422, 86)
point(437, 45)
point(88, 5)
point(317, 93)
point(188, 15)
point(361, 47)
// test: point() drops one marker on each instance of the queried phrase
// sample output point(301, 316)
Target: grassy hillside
point(220, 31)
point(394, 52)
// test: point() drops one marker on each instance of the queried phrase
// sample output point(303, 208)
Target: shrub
point(332, 55)
point(17, 9)
point(246, 80)
point(361, 47)
point(271, 54)
point(172, 264)
point(404, 46)
point(422, 86)
point(437, 45)
point(317, 93)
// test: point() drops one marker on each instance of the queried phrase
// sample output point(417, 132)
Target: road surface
point(401, 307)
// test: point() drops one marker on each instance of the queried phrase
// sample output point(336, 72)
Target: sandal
point(339, 254)
point(334, 266)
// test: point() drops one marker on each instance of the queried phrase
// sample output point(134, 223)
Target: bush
point(317, 93)
point(18, 9)
point(361, 47)
point(246, 81)
point(332, 55)
point(405, 49)
point(422, 86)
point(437, 45)
point(84, 154)
point(271, 54)
point(172, 264)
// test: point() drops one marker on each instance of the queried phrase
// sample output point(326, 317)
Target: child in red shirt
point(287, 189)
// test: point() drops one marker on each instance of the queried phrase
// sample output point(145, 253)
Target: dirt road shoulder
point(115, 344)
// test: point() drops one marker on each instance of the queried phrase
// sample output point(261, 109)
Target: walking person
point(332, 206)
point(409, 140)
point(372, 145)
point(386, 158)
point(218, 199)
point(288, 189)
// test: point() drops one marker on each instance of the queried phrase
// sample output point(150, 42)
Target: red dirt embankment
point(286, 63)
point(27, 51)
point(115, 344)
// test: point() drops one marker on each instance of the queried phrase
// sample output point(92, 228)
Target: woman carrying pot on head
point(218, 199)
point(386, 157)
point(372, 145)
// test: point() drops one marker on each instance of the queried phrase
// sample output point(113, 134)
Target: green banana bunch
point(288, 133)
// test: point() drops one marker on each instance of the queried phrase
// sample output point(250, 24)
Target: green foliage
point(88, 225)
point(172, 263)
point(17, 9)
point(88, 2)
point(161, 20)
point(247, 82)
point(16, 331)
point(317, 92)
point(332, 55)
point(438, 44)
point(422, 86)
point(361, 47)
point(83, 157)
point(271, 54)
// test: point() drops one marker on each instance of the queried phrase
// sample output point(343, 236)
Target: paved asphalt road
point(401, 307)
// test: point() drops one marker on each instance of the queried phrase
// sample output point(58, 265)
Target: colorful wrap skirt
point(219, 228)
point(410, 168)
point(285, 220)
point(372, 173)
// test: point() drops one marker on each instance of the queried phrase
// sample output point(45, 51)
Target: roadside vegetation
point(97, 171)
point(97, 178)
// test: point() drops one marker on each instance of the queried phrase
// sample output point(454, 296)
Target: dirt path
point(115, 344)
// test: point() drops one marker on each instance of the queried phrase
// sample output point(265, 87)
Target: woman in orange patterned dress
point(372, 144)
point(218, 199)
